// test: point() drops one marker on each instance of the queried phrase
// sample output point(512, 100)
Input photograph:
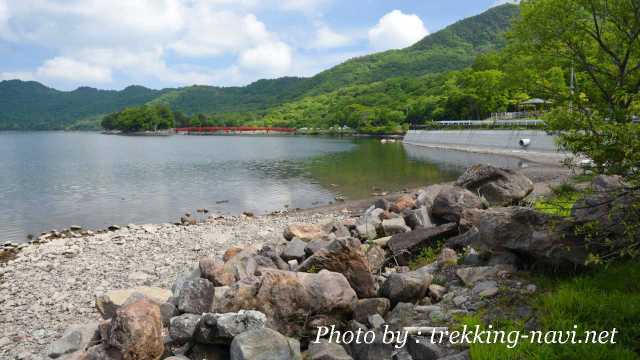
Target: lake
point(52, 180)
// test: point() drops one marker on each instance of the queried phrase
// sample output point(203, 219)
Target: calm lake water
point(54, 180)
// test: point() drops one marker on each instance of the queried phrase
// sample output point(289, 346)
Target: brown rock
point(215, 273)
point(108, 303)
point(289, 299)
point(231, 252)
point(344, 256)
point(405, 202)
point(304, 232)
point(136, 331)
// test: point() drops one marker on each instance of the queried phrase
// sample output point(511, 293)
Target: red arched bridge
point(233, 129)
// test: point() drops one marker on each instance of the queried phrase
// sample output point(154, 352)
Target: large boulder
point(264, 344)
point(406, 287)
point(196, 297)
point(406, 246)
point(452, 201)
point(289, 299)
point(500, 187)
point(136, 331)
point(222, 328)
point(527, 233)
point(344, 256)
point(109, 302)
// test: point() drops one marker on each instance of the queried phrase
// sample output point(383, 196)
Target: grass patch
point(427, 256)
point(603, 299)
point(560, 202)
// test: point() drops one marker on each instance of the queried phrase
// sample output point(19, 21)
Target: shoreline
point(51, 285)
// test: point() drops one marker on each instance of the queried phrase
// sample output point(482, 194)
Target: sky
point(111, 44)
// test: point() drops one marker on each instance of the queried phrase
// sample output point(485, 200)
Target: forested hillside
point(30, 105)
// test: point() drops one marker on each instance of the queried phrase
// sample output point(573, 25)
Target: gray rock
point(484, 286)
point(376, 258)
point(464, 355)
point(406, 245)
point(326, 350)
point(76, 337)
point(182, 328)
point(427, 195)
point(418, 218)
point(209, 352)
point(406, 287)
point(471, 275)
point(182, 278)
point(315, 245)
point(394, 226)
point(603, 183)
point(383, 204)
point(264, 344)
point(295, 250)
point(222, 328)
point(421, 348)
point(168, 310)
point(499, 187)
point(504, 258)
point(452, 201)
point(524, 231)
point(375, 321)
point(196, 296)
point(374, 351)
point(369, 224)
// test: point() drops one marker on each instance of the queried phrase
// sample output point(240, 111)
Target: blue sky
point(111, 44)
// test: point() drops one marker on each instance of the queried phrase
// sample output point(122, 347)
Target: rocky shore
point(52, 285)
point(260, 288)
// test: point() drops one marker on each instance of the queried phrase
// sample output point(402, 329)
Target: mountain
point(30, 105)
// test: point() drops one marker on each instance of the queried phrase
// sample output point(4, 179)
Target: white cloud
point(111, 43)
point(326, 38)
point(216, 33)
point(66, 69)
point(397, 30)
point(307, 6)
point(273, 59)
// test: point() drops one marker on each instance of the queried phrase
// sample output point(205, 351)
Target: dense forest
point(453, 48)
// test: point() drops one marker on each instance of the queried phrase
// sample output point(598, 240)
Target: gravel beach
point(51, 285)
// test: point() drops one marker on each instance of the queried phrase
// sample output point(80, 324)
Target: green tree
point(600, 39)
